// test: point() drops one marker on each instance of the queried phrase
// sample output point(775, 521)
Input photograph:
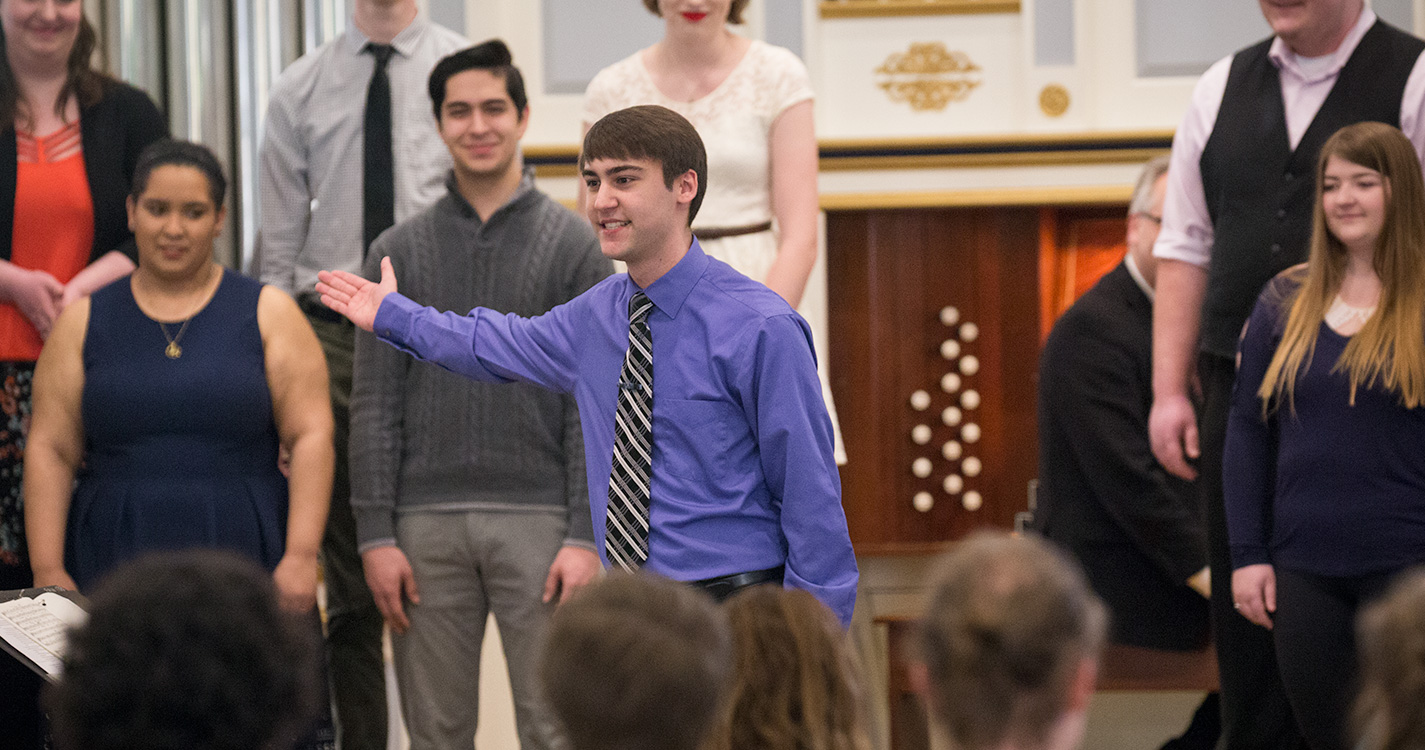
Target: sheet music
point(39, 628)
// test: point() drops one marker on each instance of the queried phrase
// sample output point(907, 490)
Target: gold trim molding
point(1049, 196)
point(928, 76)
point(1016, 150)
point(874, 8)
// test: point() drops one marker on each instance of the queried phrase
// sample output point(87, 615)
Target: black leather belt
point(312, 307)
point(717, 233)
point(725, 586)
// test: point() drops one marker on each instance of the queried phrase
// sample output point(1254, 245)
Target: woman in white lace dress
point(752, 104)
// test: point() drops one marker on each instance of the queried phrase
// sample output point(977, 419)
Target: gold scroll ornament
point(928, 77)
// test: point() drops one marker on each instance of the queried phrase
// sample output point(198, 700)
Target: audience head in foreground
point(1390, 714)
point(637, 662)
point(1010, 642)
point(186, 651)
point(796, 684)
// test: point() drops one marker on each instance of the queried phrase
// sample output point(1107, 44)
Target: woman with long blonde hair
point(1324, 471)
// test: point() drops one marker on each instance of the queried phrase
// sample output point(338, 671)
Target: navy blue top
point(1345, 494)
point(178, 452)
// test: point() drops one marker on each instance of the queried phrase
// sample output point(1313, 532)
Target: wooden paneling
point(1007, 270)
point(890, 274)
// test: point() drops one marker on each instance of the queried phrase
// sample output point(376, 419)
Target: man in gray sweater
point(471, 498)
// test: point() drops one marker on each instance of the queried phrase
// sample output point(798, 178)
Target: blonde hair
point(1391, 645)
point(796, 685)
point(1389, 351)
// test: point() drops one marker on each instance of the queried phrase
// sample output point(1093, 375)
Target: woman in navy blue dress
point(1324, 472)
point(162, 402)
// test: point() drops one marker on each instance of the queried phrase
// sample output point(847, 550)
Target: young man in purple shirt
point(735, 476)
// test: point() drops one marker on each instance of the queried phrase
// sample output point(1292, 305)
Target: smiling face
point(480, 124)
point(638, 218)
point(1311, 27)
point(175, 222)
point(1353, 199)
point(40, 29)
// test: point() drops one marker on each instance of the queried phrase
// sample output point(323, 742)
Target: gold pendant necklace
point(173, 350)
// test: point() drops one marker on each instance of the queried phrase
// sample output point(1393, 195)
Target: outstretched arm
point(356, 298)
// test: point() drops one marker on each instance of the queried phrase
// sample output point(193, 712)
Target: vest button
point(1288, 177)
point(1276, 248)
point(1281, 213)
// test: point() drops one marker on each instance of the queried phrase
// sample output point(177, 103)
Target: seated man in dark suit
point(1139, 531)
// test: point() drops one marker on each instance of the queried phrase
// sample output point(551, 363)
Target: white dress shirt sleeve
point(1187, 227)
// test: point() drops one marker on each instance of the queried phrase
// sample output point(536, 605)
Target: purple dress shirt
point(743, 473)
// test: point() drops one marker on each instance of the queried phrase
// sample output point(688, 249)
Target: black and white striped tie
point(626, 525)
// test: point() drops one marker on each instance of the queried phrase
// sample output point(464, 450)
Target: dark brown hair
point(796, 683)
point(651, 132)
point(734, 12)
point(186, 650)
point(637, 662)
point(492, 56)
point(81, 80)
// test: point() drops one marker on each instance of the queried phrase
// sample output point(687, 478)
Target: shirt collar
point(405, 42)
point(1282, 56)
point(525, 188)
point(671, 290)
point(1138, 276)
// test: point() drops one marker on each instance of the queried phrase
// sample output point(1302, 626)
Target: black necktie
point(378, 183)
point(626, 525)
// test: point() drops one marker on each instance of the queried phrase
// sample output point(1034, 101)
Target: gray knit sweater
point(426, 440)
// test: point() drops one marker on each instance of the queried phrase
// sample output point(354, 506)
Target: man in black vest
point(1238, 211)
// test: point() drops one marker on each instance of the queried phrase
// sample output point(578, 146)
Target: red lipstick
point(694, 17)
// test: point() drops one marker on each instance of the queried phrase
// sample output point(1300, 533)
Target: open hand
point(356, 298)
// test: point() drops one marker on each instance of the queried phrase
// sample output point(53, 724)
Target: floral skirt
point(15, 382)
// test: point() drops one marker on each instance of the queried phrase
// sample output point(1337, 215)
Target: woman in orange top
point(69, 136)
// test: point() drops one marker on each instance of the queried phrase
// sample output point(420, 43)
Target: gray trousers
point(467, 566)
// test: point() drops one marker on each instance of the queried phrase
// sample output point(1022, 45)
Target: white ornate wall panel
point(1087, 69)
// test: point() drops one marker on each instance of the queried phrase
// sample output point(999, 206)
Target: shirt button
point(1276, 248)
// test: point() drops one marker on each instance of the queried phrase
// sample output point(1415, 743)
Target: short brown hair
point(1391, 642)
point(1009, 622)
point(734, 13)
point(637, 662)
point(655, 133)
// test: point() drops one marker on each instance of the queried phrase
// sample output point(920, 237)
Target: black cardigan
point(113, 132)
